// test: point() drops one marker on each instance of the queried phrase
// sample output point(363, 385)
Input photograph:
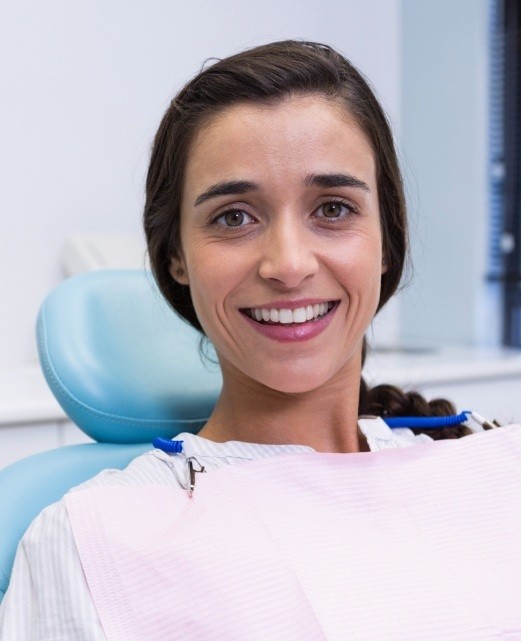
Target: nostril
point(290, 265)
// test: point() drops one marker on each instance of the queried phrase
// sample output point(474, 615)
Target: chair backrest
point(125, 369)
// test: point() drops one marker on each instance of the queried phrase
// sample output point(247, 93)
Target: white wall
point(84, 85)
point(444, 142)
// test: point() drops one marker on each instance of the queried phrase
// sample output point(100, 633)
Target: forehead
point(295, 137)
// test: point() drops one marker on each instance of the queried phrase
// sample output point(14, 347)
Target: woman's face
point(281, 242)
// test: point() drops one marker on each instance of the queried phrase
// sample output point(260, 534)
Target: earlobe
point(178, 270)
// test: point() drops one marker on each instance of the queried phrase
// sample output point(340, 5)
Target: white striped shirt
point(48, 598)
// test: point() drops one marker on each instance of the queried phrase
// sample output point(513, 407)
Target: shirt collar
point(194, 445)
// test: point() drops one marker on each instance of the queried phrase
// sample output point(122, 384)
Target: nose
point(289, 254)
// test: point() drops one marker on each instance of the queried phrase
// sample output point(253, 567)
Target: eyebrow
point(237, 187)
point(335, 180)
point(231, 187)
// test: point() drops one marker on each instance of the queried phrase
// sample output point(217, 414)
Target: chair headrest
point(124, 367)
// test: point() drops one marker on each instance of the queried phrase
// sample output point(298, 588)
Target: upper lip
point(292, 304)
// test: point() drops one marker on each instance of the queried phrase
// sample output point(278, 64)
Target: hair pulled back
point(267, 75)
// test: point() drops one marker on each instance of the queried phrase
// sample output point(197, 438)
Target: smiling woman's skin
point(279, 242)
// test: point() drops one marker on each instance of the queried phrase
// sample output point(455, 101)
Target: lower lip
point(293, 332)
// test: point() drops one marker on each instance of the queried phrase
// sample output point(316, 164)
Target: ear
point(178, 270)
point(385, 265)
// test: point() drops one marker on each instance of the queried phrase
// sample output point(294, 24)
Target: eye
point(234, 218)
point(334, 209)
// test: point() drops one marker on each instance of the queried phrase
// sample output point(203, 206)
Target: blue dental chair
point(125, 369)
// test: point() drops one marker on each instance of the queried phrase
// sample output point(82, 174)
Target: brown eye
point(335, 210)
point(234, 218)
point(332, 210)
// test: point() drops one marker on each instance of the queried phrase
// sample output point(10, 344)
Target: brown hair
point(267, 75)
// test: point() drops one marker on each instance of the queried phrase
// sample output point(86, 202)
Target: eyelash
point(230, 211)
point(351, 211)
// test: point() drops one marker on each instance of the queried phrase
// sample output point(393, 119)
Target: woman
point(275, 222)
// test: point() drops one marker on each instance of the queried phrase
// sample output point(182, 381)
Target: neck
point(324, 419)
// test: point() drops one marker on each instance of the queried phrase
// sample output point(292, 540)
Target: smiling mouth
point(298, 316)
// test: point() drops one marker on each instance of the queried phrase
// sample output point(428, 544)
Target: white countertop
point(26, 398)
point(92, 251)
point(441, 365)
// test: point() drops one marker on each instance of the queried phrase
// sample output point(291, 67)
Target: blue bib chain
point(418, 422)
point(168, 446)
point(426, 422)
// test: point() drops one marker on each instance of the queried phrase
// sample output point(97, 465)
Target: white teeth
point(285, 316)
point(299, 315)
point(288, 316)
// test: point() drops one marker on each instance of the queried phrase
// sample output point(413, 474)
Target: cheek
point(214, 275)
point(360, 262)
point(363, 282)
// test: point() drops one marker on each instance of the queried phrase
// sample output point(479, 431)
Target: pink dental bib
point(414, 544)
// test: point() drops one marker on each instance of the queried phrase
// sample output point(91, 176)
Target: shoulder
point(154, 467)
point(50, 532)
point(53, 523)
point(48, 596)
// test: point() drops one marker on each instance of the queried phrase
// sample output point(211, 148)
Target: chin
point(295, 382)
